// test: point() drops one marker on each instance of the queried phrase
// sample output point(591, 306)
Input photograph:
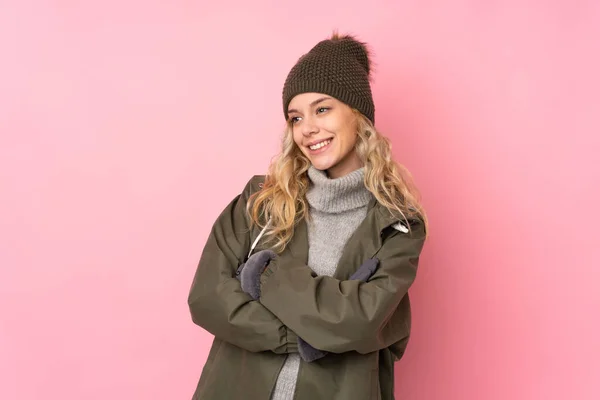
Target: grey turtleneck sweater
point(336, 207)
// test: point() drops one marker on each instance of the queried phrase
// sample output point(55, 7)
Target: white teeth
point(319, 145)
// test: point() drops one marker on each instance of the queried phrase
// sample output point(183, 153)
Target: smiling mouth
point(320, 145)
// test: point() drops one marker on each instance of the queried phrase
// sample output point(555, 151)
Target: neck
point(337, 195)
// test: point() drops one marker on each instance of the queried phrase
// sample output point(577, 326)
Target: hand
point(249, 273)
point(366, 270)
point(309, 353)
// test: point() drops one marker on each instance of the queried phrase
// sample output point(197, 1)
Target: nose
point(309, 127)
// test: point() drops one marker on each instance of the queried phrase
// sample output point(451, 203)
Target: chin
point(322, 166)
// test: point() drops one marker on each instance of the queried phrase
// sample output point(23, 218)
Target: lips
point(319, 145)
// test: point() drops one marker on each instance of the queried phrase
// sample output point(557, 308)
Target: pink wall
point(125, 128)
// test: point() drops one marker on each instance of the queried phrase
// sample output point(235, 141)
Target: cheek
point(349, 137)
point(344, 130)
point(297, 136)
point(298, 139)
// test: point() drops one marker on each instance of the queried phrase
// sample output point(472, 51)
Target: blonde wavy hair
point(282, 199)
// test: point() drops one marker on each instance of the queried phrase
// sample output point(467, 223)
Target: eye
point(294, 120)
point(322, 109)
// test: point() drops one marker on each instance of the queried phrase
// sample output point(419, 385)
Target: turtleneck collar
point(337, 195)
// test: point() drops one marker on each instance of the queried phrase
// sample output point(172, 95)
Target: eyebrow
point(314, 103)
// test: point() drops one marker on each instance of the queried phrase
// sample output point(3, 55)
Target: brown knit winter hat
point(339, 67)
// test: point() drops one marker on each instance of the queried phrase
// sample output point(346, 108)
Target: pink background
point(126, 126)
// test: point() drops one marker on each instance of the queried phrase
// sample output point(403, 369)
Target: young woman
point(304, 278)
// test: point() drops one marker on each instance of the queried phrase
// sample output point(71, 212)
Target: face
point(325, 130)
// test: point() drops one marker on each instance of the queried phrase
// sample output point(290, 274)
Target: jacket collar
point(377, 220)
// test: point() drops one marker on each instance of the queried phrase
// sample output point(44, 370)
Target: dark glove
point(363, 273)
point(366, 270)
point(309, 353)
point(249, 273)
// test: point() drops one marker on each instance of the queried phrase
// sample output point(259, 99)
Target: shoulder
point(389, 220)
point(253, 185)
point(418, 228)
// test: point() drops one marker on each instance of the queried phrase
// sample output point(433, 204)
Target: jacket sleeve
point(216, 300)
point(349, 315)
